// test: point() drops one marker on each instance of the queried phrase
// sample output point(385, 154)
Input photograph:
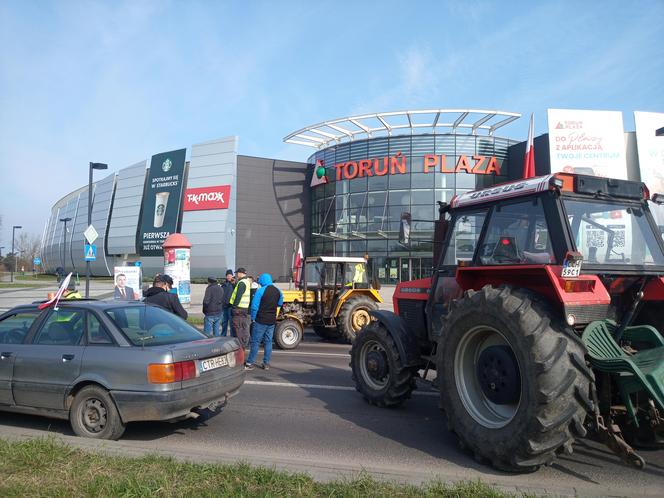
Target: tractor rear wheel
point(377, 369)
point(354, 315)
point(515, 387)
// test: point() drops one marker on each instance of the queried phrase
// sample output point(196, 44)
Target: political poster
point(587, 142)
point(161, 201)
point(128, 282)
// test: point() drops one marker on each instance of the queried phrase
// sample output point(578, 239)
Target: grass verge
point(47, 467)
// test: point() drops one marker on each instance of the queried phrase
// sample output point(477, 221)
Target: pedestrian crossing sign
point(90, 252)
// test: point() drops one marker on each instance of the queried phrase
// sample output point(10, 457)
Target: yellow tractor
point(334, 298)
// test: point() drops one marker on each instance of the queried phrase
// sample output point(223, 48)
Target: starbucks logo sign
point(166, 165)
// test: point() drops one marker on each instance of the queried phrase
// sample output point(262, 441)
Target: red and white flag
point(58, 295)
point(298, 258)
point(529, 159)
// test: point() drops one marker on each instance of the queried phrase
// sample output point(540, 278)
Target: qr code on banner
point(619, 235)
point(595, 238)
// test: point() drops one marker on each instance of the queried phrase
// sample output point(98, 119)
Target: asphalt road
point(304, 415)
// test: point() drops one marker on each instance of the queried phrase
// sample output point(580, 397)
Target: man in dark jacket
point(159, 294)
point(213, 305)
point(227, 286)
point(265, 307)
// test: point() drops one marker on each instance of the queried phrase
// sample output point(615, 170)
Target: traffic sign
point(90, 234)
point(90, 252)
point(36, 261)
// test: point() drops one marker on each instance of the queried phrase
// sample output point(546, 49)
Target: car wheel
point(93, 414)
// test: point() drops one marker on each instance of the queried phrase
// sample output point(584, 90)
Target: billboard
point(205, 198)
point(650, 149)
point(161, 201)
point(587, 142)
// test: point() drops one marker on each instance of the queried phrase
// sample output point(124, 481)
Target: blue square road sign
point(90, 252)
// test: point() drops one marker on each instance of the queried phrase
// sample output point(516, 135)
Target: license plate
point(212, 363)
point(571, 269)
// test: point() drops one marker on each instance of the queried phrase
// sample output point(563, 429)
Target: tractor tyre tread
point(402, 379)
point(554, 402)
point(344, 320)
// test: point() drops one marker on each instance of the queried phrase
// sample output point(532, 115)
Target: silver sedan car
point(102, 364)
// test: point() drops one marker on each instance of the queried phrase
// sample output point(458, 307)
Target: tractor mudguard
point(405, 340)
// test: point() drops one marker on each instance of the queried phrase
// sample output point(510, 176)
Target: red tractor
point(541, 321)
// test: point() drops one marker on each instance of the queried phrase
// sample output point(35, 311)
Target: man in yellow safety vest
point(240, 301)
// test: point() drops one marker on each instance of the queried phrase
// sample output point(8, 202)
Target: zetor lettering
point(397, 165)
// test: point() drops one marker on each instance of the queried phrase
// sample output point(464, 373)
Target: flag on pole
point(297, 263)
point(529, 159)
point(58, 295)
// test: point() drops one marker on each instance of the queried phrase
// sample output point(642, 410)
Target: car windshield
point(152, 326)
point(607, 233)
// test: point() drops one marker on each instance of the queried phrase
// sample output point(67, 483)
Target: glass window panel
point(465, 180)
point(398, 181)
point(445, 144)
point(378, 182)
point(14, 328)
point(422, 197)
point(465, 234)
point(63, 327)
point(97, 334)
point(445, 180)
point(422, 180)
point(359, 150)
point(376, 199)
point(358, 184)
point(465, 144)
point(342, 154)
point(358, 246)
point(377, 246)
point(517, 234)
point(378, 147)
point(399, 198)
point(422, 144)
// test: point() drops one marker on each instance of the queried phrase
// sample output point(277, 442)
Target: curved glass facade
point(371, 182)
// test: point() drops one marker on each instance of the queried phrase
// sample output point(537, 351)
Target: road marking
point(339, 355)
point(320, 386)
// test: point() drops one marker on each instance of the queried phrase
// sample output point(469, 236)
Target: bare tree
point(27, 248)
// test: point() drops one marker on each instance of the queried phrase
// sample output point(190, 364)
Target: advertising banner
point(587, 142)
point(177, 266)
point(651, 149)
point(161, 201)
point(127, 283)
point(204, 198)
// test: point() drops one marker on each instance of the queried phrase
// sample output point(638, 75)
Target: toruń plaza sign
point(397, 165)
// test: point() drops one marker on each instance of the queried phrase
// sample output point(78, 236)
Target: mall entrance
point(393, 270)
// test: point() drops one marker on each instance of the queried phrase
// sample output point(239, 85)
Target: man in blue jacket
point(265, 307)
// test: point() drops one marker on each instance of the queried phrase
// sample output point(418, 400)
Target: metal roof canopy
point(350, 128)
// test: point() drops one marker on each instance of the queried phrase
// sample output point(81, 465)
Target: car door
point(14, 328)
point(51, 361)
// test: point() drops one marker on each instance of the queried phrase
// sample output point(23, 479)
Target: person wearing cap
point(159, 294)
point(213, 305)
point(240, 301)
point(228, 286)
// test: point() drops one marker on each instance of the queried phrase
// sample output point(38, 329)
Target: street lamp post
point(64, 248)
point(93, 166)
point(13, 267)
point(1, 248)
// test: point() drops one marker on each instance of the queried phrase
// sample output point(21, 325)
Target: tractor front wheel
point(515, 388)
point(353, 316)
point(288, 333)
point(377, 369)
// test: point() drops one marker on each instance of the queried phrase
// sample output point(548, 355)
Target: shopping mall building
point(347, 199)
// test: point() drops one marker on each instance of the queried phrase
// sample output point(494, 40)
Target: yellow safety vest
point(245, 300)
point(358, 277)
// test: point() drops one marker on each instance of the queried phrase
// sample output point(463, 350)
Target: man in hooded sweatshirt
point(265, 307)
point(213, 307)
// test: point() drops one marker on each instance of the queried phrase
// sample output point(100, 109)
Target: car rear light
point(166, 373)
point(239, 356)
point(578, 285)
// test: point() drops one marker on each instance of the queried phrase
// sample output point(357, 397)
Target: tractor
point(539, 325)
point(334, 297)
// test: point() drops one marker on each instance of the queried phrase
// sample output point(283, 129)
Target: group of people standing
point(244, 309)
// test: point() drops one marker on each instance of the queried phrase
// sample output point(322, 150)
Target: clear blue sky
point(119, 81)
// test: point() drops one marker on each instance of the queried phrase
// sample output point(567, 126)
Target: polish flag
point(529, 159)
point(297, 263)
point(58, 295)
